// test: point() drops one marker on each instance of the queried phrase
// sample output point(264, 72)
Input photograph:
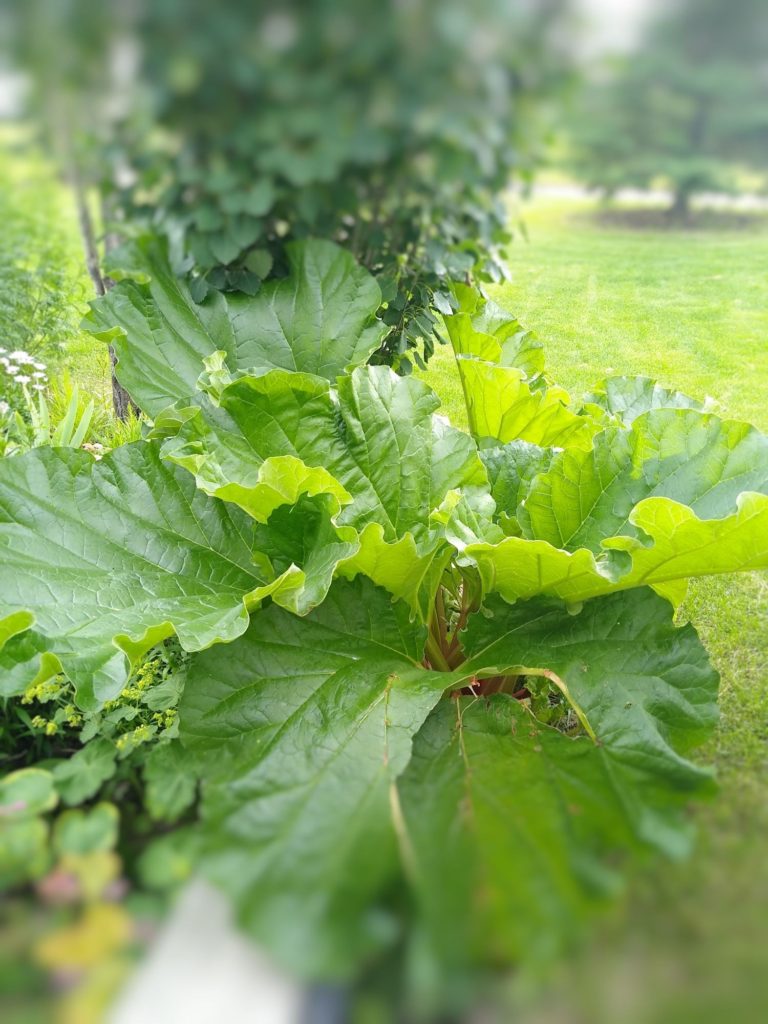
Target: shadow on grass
point(657, 218)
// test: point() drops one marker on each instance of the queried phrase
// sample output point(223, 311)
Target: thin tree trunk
point(680, 210)
point(121, 400)
point(86, 232)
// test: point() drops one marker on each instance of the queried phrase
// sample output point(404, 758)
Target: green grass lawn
point(690, 309)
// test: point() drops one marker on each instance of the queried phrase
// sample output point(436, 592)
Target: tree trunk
point(86, 232)
point(121, 400)
point(680, 210)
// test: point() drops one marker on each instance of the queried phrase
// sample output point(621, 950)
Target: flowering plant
point(20, 371)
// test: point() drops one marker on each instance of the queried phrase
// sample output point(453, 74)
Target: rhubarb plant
point(436, 691)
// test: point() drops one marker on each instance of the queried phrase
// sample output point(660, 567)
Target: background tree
point(390, 128)
point(689, 105)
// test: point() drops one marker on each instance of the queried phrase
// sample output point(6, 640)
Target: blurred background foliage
point(391, 127)
point(686, 107)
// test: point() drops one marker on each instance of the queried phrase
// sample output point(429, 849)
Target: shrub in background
point(390, 128)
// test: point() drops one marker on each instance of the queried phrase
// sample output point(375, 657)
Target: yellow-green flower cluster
point(46, 691)
point(72, 716)
point(130, 740)
point(50, 728)
point(164, 719)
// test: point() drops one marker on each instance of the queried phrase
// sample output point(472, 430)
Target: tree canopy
point(689, 106)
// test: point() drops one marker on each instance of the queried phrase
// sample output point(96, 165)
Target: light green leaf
point(169, 860)
point(408, 570)
point(26, 793)
point(24, 796)
point(692, 458)
point(679, 494)
point(86, 831)
point(301, 730)
point(24, 853)
point(626, 398)
point(483, 329)
point(320, 319)
point(679, 546)
point(502, 405)
point(373, 446)
point(511, 469)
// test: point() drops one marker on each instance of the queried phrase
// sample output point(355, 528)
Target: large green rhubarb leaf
point(626, 398)
point(509, 827)
point(643, 687)
point(501, 405)
point(481, 328)
point(301, 730)
point(511, 470)
point(679, 494)
point(501, 371)
point(320, 319)
point(105, 559)
point(372, 444)
point(530, 818)
point(692, 458)
point(679, 546)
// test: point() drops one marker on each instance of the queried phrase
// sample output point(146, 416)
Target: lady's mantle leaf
point(26, 793)
point(81, 776)
point(320, 320)
point(301, 732)
point(171, 782)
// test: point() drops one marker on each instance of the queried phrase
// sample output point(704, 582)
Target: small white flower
point(21, 356)
point(4, 407)
point(4, 360)
point(39, 387)
point(39, 366)
point(38, 375)
point(22, 378)
point(12, 368)
point(2, 349)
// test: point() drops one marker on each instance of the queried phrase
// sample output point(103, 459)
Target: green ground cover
point(689, 308)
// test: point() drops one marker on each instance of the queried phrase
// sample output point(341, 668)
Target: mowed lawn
point(689, 308)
